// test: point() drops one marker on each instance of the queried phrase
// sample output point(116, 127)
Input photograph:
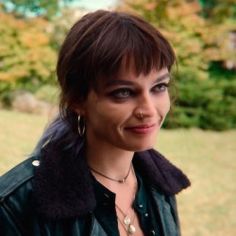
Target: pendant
point(131, 229)
point(127, 220)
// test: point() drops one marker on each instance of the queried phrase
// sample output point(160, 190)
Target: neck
point(112, 162)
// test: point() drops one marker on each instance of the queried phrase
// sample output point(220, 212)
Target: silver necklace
point(121, 181)
point(127, 223)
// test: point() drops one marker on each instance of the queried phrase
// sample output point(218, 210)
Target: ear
point(79, 109)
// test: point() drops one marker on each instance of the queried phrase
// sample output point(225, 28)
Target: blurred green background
point(203, 33)
point(199, 134)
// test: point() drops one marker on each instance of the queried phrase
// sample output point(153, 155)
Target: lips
point(142, 129)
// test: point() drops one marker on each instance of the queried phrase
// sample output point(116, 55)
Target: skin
point(114, 129)
point(111, 115)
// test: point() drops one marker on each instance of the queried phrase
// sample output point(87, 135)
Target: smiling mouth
point(142, 129)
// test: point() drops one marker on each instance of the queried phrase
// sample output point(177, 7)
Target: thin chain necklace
point(127, 223)
point(121, 181)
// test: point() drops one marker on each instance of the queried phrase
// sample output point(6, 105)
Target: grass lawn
point(208, 158)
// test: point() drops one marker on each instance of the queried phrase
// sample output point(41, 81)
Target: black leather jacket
point(50, 196)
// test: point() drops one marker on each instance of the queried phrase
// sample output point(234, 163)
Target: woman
point(94, 171)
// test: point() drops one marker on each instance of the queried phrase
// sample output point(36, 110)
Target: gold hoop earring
point(81, 126)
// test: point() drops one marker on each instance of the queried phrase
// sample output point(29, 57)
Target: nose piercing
point(140, 115)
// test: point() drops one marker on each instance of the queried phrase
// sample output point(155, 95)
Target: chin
point(140, 148)
point(143, 149)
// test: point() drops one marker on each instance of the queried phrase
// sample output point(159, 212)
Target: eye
point(162, 87)
point(121, 93)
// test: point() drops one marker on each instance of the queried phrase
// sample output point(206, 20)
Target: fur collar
point(62, 187)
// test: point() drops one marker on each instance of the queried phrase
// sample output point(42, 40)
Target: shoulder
point(16, 197)
point(17, 178)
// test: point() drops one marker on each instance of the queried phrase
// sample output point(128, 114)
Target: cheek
point(106, 114)
point(164, 104)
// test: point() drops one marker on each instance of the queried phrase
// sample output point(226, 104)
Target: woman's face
point(112, 115)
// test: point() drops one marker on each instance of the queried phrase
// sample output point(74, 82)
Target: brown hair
point(97, 46)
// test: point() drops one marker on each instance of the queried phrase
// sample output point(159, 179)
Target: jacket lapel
point(96, 228)
point(167, 212)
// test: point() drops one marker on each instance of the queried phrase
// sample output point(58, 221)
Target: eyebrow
point(113, 82)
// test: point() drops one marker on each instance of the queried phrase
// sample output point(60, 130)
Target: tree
point(206, 58)
point(26, 58)
point(217, 10)
point(45, 8)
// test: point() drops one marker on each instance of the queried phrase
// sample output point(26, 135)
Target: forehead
point(128, 66)
point(130, 77)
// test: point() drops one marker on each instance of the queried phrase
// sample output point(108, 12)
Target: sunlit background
point(199, 135)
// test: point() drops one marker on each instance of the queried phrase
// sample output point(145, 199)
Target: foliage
point(62, 23)
point(27, 59)
point(205, 49)
point(207, 104)
point(28, 48)
point(217, 10)
point(24, 8)
point(206, 56)
point(48, 93)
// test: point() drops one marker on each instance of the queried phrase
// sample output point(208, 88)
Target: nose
point(146, 106)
